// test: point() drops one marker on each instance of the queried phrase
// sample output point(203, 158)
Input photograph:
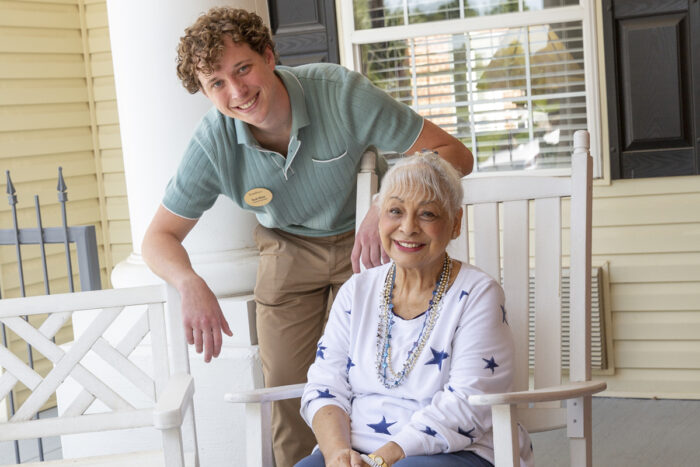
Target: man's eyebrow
point(211, 80)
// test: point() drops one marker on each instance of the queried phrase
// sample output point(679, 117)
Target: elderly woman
point(408, 341)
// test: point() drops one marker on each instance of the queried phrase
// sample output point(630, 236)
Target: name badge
point(258, 197)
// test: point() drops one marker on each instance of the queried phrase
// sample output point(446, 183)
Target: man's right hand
point(202, 318)
point(163, 252)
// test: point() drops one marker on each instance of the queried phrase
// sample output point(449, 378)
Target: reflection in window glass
point(515, 96)
point(542, 4)
point(556, 58)
point(490, 7)
point(388, 66)
point(424, 11)
point(375, 14)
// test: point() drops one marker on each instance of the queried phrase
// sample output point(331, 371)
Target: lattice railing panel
point(97, 340)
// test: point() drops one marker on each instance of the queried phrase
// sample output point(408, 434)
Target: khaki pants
point(296, 277)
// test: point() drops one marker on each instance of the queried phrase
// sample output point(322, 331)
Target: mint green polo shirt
point(336, 115)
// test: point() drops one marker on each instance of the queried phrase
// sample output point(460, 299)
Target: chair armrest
point(266, 395)
point(173, 401)
point(554, 393)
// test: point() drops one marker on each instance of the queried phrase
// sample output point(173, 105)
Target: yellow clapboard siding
point(107, 113)
point(656, 325)
point(79, 188)
point(31, 143)
point(79, 212)
point(658, 267)
point(96, 15)
point(104, 89)
point(633, 239)
point(98, 40)
point(44, 168)
point(112, 160)
point(121, 252)
point(46, 121)
point(42, 91)
point(22, 40)
point(64, 2)
point(31, 15)
point(30, 117)
point(109, 137)
point(657, 354)
point(115, 184)
point(648, 186)
point(118, 208)
point(33, 269)
point(101, 65)
point(32, 66)
point(681, 296)
point(31, 261)
point(650, 209)
point(661, 383)
point(59, 285)
point(80, 208)
point(120, 231)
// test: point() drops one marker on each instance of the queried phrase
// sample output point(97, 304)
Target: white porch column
point(157, 118)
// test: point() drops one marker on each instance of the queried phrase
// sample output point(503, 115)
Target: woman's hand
point(391, 453)
point(345, 458)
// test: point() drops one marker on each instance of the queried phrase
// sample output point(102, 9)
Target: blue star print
point(319, 351)
point(348, 311)
point(381, 427)
point(468, 434)
point(503, 310)
point(429, 431)
point(349, 365)
point(451, 388)
point(438, 357)
point(490, 364)
point(324, 394)
point(462, 294)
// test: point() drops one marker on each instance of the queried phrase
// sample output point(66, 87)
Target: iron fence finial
point(11, 193)
point(61, 188)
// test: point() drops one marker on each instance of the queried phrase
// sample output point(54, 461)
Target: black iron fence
point(83, 237)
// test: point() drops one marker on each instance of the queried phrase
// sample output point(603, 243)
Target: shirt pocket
point(332, 161)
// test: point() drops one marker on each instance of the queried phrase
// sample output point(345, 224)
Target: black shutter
point(652, 60)
point(304, 31)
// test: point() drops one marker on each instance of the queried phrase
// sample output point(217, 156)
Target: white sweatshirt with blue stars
point(470, 351)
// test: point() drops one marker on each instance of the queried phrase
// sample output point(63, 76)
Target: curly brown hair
point(203, 43)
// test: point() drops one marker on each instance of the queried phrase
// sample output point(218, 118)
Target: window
point(512, 79)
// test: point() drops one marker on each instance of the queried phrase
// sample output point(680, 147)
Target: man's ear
point(269, 56)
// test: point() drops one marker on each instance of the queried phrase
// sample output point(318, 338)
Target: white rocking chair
point(537, 408)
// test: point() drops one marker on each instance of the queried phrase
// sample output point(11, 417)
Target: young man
point(286, 144)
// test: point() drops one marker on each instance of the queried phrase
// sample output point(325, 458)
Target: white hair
point(426, 176)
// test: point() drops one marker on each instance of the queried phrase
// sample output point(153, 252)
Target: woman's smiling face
point(415, 231)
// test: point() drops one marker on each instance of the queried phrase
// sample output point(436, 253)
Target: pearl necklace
point(385, 369)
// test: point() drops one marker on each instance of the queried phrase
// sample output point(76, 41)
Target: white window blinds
point(511, 87)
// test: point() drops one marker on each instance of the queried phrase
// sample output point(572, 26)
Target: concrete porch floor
point(626, 433)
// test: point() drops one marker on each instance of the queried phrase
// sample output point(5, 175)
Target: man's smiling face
point(244, 84)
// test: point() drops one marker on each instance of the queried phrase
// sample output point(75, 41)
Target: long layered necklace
point(385, 369)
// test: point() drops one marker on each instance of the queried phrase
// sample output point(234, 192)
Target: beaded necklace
point(385, 369)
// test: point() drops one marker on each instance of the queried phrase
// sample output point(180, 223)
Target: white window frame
point(585, 12)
